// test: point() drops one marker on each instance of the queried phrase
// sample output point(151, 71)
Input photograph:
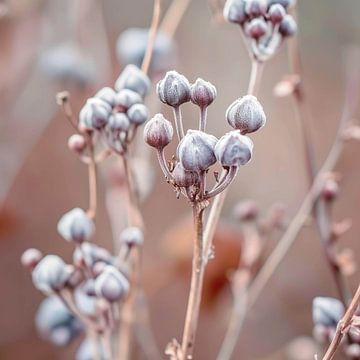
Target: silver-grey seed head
point(126, 98)
point(134, 79)
point(203, 93)
point(95, 114)
point(234, 11)
point(184, 178)
point(118, 122)
point(158, 132)
point(106, 94)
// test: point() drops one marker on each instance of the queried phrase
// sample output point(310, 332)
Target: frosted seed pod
point(276, 13)
point(246, 211)
point(134, 79)
point(173, 89)
point(256, 28)
point(255, 8)
point(126, 98)
point(138, 114)
point(76, 226)
point(95, 114)
point(30, 258)
point(89, 254)
point(234, 11)
point(203, 93)
point(111, 284)
point(246, 114)
point(107, 94)
point(118, 122)
point(327, 311)
point(132, 236)
point(196, 151)
point(234, 149)
point(77, 143)
point(158, 132)
point(288, 26)
point(285, 3)
point(184, 178)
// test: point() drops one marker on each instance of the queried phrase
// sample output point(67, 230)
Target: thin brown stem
point(257, 68)
point(178, 122)
point(63, 100)
point(173, 17)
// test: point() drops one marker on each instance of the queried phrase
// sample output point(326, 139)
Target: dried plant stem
point(257, 68)
point(173, 17)
point(197, 276)
point(152, 36)
point(63, 100)
point(343, 326)
point(178, 122)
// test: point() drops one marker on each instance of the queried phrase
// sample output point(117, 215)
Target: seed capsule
point(106, 94)
point(76, 226)
point(276, 13)
point(158, 132)
point(234, 149)
point(234, 11)
point(174, 89)
point(118, 122)
point(246, 114)
point(138, 114)
point(288, 26)
point(134, 79)
point(202, 93)
point(184, 178)
point(90, 254)
point(196, 151)
point(126, 98)
point(284, 3)
point(327, 311)
point(256, 28)
point(330, 190)
point(132, 236)
point(94, 114)
point(77, 143)
point(30, 258)
point(255, 8)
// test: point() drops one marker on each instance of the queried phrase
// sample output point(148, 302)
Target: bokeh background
point(40, 178)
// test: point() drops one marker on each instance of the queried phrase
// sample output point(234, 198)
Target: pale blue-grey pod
point(30, 258)
point(288, 26)
point(246, 114)
point(76, 226)
point(285, 3)
point(203, 93)
point(234, 149)
point(196, 151)
point(276, 13)
point(327, 311)
point(256, 28)
point(111, 284)
point(184, 178)
point(118, 122)
point(158, 132)
point(94, 114)
point(234, 11)
point(126, 98)
point(132, 236)
point(138, 114)
point(50, 274)
point(134, 79)
point(107, 94)
point(173, 89)
point(255, 8)
point(90, 254)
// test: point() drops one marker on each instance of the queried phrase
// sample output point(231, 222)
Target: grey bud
point(50, 274)
point(276, 13)
point(330, 190)
point(107, 94)
point(77, 143)
point(288, 26)
point(256, 28)
point(132, 236)
point(202, 93)
point(158, 132)
point(234, 11)
point(255, 8)
point(138, 114)
point(327, 311)
point(196, 151)
point(126, 98)
point(285, 3)
point(173, 89)
point(30, 258)
point(89, 287)
point(184, 178)
point(76, 226)
point(111, 284)
point(90, 254)
point(118, 122)
point(94, 114)
point(246, 114)
point(234, 149)
point(84, 302)
point(134, 79)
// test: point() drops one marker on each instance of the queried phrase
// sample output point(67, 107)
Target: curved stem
point(162, 161)
point(230, 176)
point(178, 122)
point(173, 16)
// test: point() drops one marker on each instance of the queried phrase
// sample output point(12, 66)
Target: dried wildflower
point(203, 93)
point(30, 258)
point(138, 114)
point(158, 132)
point(95, 114)
point(132, 236)
point(134, 79)
point(327, 311)
point(106, 94)
point(288, 26)
point(184, 178)
point(77, 143)
point(118, 122)
point(234, 11)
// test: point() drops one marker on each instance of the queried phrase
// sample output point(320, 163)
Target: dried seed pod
point(134, 79)
point(234, 149)
point(107, 94)
point(255, 8)
point(158, 132)
point(76, 226)
point(95, 114)
point(111, 284)
point(288, 26)
point(203, 93)
point(246, 114)
point(50, 274)
point(285, 3)
point(327, 311)
point(246, 211)
point(138, 114)
point(196, 151)
point(118, 122)
point(173, 89)
point(90, 254)
point(85, 303)
point(132, 236)
point(126, 98)
point(30, 258)
point(234, 11)
point(89, 287)
point(276, 13)
point(184, 178)
point(256, 28)
point(77, 143)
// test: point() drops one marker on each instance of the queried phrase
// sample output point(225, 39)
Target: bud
point(196, 151)
point(246, 211)
point(330, 190)
point(234, 11)
point(111, 284)
point(246, 114)
point(158, 132)
point(77, 143)
point(89, 254)
point(327, 311)
point(126, 98)
point(85, 303)
point(134, 79)
point(234, 149)
point(50, 274)
point(276, 13)
point(255, 8)
point(118, 122)
point(288, 26)
point(89, 287)
point(94, 114)
point(30, 258)
point(138, 114)
point(107, 94)
point(76, 226)
point(256, 28)
point(184, 178)
point(173, 89)
point(284, 3)
point(132, 236)
point(202, 93)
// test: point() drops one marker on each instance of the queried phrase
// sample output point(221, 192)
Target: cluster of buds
point(197, 150)
point(265, 24)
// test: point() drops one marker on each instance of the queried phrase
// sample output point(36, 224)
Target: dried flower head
point(138, 114)
point(276, 13)
point(126, 98)
point(30, 258)
point(158, 132)
point(106, 94)
point(203, 93)
point(256, 28)
point(132, 236)
point(95, 114)
point(134, 79)
point(118, 122)
point(327, 311)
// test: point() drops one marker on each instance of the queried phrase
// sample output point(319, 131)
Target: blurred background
point(41, 179)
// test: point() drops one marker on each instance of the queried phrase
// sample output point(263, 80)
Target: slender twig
point(257, 68)
point(63, 100)
point(203, 117)
point(178, 122)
